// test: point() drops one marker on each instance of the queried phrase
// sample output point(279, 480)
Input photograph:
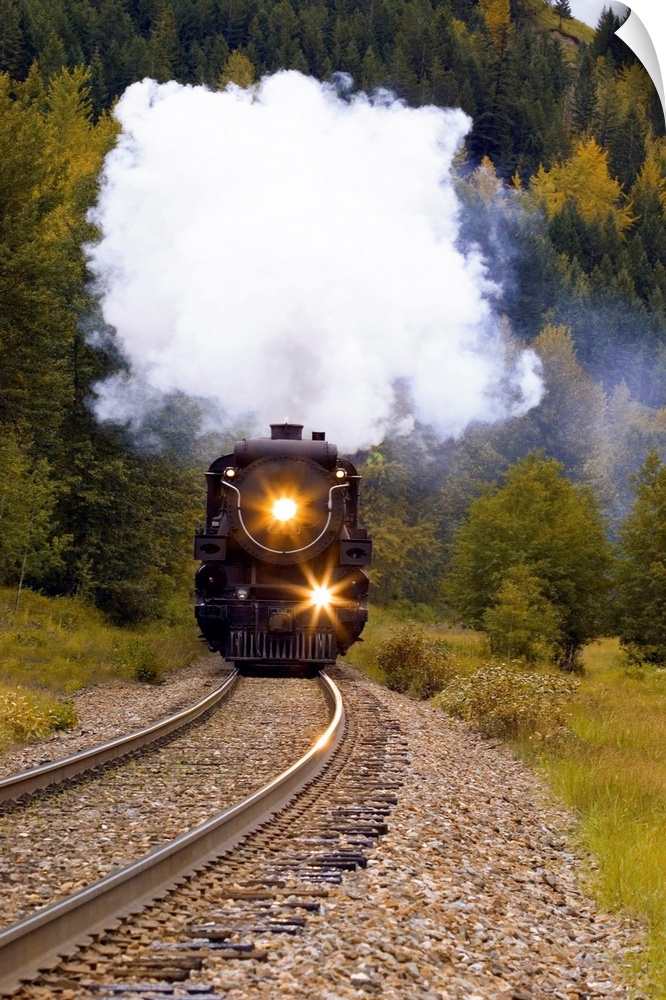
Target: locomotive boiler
point(283, 556)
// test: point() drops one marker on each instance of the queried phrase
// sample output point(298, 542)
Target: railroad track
point(41, 939)
point(18, 788)
point(318, 820)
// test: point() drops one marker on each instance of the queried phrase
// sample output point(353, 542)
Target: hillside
point(562, 183)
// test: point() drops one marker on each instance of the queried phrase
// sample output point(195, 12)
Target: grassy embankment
point(614, 775)
point(53, 647)
point(568, 28)
point(611, 770)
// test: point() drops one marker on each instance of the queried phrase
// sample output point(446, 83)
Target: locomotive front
point(282, 579)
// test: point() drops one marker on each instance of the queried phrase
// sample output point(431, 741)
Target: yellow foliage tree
point(497, 15)
point(634, 87)
point(585, 180)
point(486, 181)
point(237, 69)
point(74, 146)
point(51, 159)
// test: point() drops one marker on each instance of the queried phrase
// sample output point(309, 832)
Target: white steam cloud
point(291, 253)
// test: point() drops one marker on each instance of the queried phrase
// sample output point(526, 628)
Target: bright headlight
point(284, 509)
point(321, 597)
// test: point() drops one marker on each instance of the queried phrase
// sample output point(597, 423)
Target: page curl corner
point(634, 34)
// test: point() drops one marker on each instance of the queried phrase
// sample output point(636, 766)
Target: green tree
point(11, 38)
point(313, 28)
point(406, 560)
point(134, 515)
point(36, 275)
point(563, 10)
point(641, 574)
point(51, 158)
point(522, 622)
point(635, 430)
point(627, 148)
point(29, 548)
point(583, 104)
point(164, 46)
point(399, 510)
point(605, 42)
point(539, 520)
point(52, 57)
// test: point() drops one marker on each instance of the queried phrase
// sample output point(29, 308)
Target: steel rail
point(38, 942)
point(14, 786)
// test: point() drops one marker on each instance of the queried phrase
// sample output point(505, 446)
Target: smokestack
point(286, 432)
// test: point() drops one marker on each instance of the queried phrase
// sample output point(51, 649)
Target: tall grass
point(613, 773)
point(610, 769)
point(52, 647)
point(575, 29)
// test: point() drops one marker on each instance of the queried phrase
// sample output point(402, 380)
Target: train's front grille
point(297, 647)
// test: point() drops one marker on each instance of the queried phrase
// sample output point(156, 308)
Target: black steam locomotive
point(283, 578)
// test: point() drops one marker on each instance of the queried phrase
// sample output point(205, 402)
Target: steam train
point(283, 557)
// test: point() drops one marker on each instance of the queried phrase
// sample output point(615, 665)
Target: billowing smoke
point(290, 252)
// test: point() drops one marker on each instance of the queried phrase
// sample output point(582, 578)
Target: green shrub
point(62, 715)
point(506, 702)
point(414, 664)
point(138, 661)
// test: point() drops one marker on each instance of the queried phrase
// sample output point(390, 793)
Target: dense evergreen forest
point(562, 185)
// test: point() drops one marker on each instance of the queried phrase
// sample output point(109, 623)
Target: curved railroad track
point(38, 941)
point(17, 788)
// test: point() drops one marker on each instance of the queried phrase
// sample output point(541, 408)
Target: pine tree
point(52, 57)
point(312, 29)
point(563, 10)
point(238, 70)
point(48, 174)
point(606, 43)
point(584, 94)
point(164, 46)
point(11, 38)
point(372, 71)
point(585, 179)
point(497, 15)
point(29, 549)
point(627, 148)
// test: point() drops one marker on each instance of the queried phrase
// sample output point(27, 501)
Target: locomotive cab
point(283, 556)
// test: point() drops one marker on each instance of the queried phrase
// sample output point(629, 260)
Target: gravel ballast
point(65, 841)
point(117, 707)
point(475, 893)
point(472, 895)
